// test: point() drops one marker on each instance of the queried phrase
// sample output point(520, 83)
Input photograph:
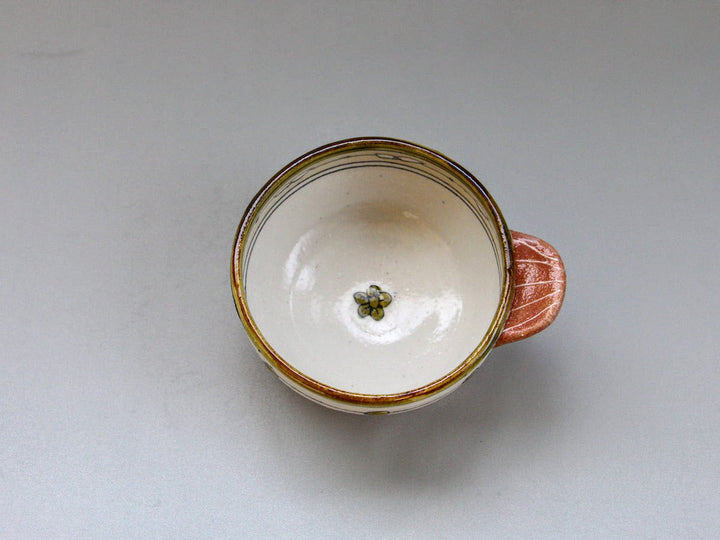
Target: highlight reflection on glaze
point(436, 314)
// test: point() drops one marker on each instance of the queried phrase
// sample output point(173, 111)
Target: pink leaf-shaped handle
point(539, 288)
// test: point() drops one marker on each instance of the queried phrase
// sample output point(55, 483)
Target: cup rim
point(276, 361)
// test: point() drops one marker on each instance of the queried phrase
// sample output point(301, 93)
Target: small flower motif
point(372, 302)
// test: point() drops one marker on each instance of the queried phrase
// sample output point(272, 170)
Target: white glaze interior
point(346, 228)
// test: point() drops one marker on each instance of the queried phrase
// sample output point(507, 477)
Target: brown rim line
point(432, 389)
point(540, 282)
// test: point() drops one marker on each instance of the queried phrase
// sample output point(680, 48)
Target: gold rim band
point(302, 380)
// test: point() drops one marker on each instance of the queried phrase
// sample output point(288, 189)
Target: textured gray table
point(133, 134)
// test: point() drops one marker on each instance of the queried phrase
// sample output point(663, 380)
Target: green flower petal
point(385, 299)
point(364, 310)
point(377, 313)
point(360, 298)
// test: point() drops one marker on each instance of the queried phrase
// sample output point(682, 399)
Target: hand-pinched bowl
point(374, 275)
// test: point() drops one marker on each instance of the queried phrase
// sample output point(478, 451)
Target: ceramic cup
point(374, 275)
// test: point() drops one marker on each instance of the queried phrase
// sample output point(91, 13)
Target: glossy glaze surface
point(384, 226)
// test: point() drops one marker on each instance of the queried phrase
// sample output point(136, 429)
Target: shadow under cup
point(373, 275)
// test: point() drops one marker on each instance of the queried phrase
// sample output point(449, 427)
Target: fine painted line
point(545, 256)
point(536, 300)
point(533, 261)
point(538, 283)
point(531, 318)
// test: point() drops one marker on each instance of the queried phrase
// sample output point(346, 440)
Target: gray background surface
point(132, 136)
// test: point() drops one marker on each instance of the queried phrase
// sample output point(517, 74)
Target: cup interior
point(373, 268)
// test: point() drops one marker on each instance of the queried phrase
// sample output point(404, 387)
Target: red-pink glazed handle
point(539, 288)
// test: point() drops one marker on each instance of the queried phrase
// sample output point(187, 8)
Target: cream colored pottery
point(374, 275)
